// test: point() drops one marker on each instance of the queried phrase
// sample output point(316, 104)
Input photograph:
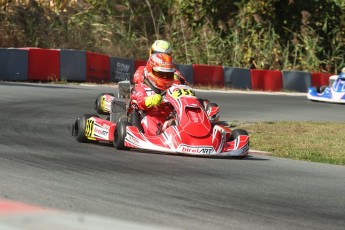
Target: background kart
point(333, 93)
point(191, 131)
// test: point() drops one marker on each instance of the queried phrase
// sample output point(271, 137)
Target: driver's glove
point(153, 100)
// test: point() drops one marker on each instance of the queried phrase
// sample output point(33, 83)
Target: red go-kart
point(191, 132)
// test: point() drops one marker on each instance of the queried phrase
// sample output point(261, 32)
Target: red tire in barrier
point(266, 80)
point(138, 63)
point(205, 75)
point(43, 64)
point(320, 79)
point(97, 68)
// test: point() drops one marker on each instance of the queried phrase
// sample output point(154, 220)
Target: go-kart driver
point(334, 80)
point(158, 75)
point(341, 76)
point(160, 46)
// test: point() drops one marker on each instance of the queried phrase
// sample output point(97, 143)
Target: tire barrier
point(186, 71)
point(36, 64)
point(237, 78)
point(266, 80)
point(121, 69)
point(138, 63)
point(206, 75)
point(320, 79)
point(97, 68)
point(43, 64)
point(73, 65)
point(296, 81)
point(13, 64)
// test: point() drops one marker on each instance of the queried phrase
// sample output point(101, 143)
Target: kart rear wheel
point(119, 135)
point(79, 127)
point(204, 102)
point(98, 102)
point(234, 134)
point(211, 105)
point(237, 132)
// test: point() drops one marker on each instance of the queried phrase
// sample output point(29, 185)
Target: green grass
point(309, 141)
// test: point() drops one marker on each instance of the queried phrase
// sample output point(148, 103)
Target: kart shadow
point(248, 157)
point(252, 157)
point(327, 102)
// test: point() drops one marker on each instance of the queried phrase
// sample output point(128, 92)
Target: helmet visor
point(160, 52)
point(163, 75)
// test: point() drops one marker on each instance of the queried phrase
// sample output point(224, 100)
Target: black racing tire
point(320, 89)
point(203, 102)
point(119, 136)
point(237, 132)
point(211, 105)
point(78, 129)
point(97, 105)
point(234, 134)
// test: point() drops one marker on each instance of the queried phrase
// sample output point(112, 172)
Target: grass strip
point(309, 141)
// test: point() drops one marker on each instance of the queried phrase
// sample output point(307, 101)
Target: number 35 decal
point(183, 92)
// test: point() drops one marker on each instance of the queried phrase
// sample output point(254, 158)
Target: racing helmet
point(161, 46)
point(160, 71)
point(341, 76)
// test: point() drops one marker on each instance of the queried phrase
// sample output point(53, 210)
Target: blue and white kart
point(333, 93)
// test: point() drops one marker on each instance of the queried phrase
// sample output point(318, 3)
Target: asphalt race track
point(42, 164)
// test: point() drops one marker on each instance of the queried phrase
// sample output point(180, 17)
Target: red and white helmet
point(160, 71)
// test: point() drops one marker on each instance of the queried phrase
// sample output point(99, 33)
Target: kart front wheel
point(321, 89)
point(79, 127)
point(237, 132)
point(119, 135)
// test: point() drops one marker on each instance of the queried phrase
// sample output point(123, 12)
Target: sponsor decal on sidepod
point(195, 150)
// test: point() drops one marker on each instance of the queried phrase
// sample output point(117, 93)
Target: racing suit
point(155, 118)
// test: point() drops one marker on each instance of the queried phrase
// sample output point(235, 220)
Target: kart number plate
point(182, 92)
point(89, 128)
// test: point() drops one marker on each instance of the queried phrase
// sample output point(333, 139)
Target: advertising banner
point(121, 69)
